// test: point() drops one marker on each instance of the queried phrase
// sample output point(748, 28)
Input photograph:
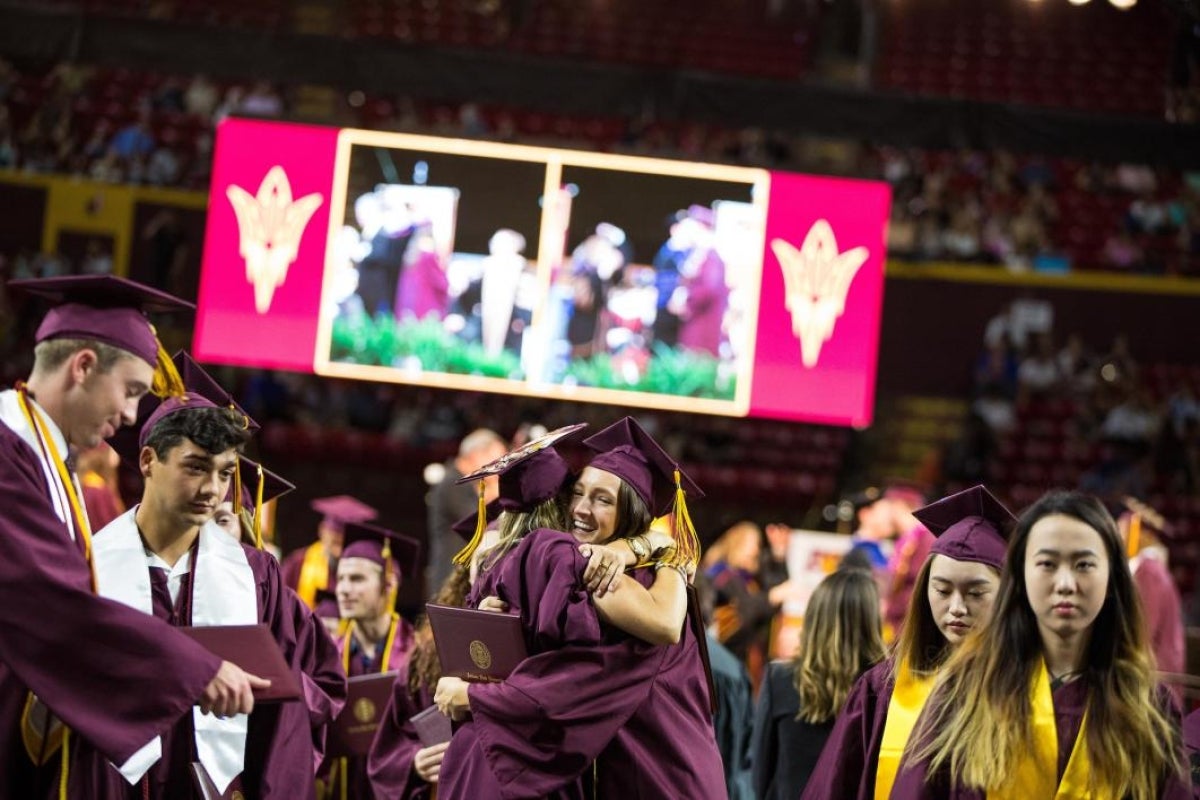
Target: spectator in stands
point(135, 139)
point(1178, 450)
point(1076, 367)
point(961, 239)
point(262, 101)
point(97, 259)
point(1134, 422)
point(163, 168)
point(230, 104)
point(1038, 375)
point(201, 97)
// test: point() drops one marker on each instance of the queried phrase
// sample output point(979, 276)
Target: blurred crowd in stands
point(1020, 211)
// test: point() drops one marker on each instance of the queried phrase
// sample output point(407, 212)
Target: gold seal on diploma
point(364, 710)
point(480, 655)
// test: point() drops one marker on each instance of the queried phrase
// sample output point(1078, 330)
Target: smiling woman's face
point(594, 505)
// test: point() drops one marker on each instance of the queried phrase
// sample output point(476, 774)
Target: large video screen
point(527, 270)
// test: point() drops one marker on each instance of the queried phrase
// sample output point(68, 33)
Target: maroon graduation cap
point(258, 486)
point(465, 527)
point(971, 525)
point(529, 475)
point(627, 451)
point(341, 510)
point(382, 547)
point(201, 390)
point(110, 310)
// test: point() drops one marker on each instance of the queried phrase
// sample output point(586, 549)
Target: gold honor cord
point(38, 425)
point(344, 763)
point(258, 505)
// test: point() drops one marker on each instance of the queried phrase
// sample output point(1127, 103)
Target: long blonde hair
point(515, 524)
point(729, 541)
point(979, 725)
point(841, 639)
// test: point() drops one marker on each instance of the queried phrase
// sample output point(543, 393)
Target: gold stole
point(314, 574)
point(1036, 775)
point(908, 698)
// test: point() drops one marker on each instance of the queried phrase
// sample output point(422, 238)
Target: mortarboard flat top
point(627, 451)
point(530, 474)
point(364, 540)
point(274, 486)
point(202, 391)
point(1150, 517)
point(971, 525)
point(342, 509)
point(104, 308)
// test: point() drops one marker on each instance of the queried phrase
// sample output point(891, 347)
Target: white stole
point(224, 592)
point(11, 416)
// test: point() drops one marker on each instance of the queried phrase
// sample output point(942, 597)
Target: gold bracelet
point(641, 551)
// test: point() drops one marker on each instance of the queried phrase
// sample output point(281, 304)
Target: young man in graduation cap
point(167, 558)
point(375, 639)
point(1142, 528)
point(96, 356)
point(312, 571)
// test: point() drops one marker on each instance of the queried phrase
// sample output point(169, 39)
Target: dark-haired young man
point(96, 357)
point(167, 558)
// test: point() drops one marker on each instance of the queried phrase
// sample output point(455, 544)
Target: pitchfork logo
point(271, 225)
point(816, 279)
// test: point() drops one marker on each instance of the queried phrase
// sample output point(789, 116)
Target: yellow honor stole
point(908, 698)
point(1036, 774)
point(314, 573)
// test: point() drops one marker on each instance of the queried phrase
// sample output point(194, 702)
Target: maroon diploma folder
point(254, 649)
point(433, 727)
point(475, 645)
point(354, 729)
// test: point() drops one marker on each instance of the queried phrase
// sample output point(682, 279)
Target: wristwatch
point(638, 545)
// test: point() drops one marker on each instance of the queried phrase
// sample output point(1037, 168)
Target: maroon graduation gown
point(139, 676)
point(394, 751)
point(358, 786)
point(1164, 614)
point(1070, 702)
point(503, 751)
point(605, 701)
point(846, 768)
point(279, 761)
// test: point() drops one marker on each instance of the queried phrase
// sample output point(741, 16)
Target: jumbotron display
point(549, 272)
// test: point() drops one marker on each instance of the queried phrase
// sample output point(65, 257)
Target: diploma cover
point(480, 646)
point(433, 727)
point(254, 649)
point(354, 729)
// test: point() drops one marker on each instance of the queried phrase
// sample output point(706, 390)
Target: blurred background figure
point(97, 469)
point(449, 501)
point(800, 698)
point(743, 606)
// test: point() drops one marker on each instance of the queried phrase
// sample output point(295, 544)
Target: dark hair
point(921, 642)
point(633, 518)
point(214, 429)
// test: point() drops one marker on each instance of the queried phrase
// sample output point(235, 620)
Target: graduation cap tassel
point(236, 500)
point(258, 505)
point(687, 543)
point(387, 572)
point(463, 557)
point(1135, 534)
point(167, 382)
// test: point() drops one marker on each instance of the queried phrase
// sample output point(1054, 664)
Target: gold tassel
point(258, 510)
point(237, 487)
point(167, 382)
point(1135, 535)
point(387, 573)
point(687, 543)
point(64, 780)
point(463, 557)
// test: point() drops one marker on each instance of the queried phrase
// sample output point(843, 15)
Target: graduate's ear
point(81, 364)
point(145, 458)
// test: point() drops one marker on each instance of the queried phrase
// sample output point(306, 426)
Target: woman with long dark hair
point(1057, 696)
point(954, 593)
point(800, 699)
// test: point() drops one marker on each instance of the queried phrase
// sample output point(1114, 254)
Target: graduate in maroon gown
point(96, 357)
point(313, 569)
point(1142, 529)
point(1057, 696)
point(955, 591)
point(374, 638)
point(589, 699)
point(169, 560)
point(702, 297)
point(400, 765)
